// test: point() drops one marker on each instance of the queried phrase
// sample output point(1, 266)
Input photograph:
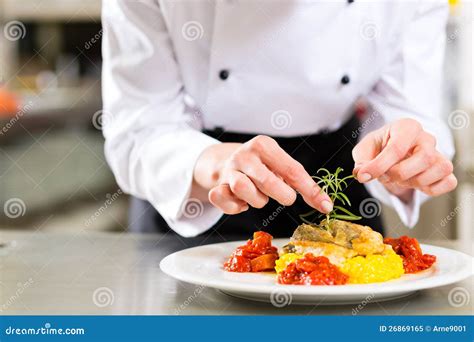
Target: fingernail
point(326, 206)
point(365, 177)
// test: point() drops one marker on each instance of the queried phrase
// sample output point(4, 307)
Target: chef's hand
point(234, 176)
point(403, 157)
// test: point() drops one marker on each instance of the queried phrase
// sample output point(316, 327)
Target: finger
point(291, 171)
point(445, 185)
point(422, 159)
point(269, 183)
point(367, 149)
point(402, 138)
point(441, 169)
point(243, 188)
point(222, 197)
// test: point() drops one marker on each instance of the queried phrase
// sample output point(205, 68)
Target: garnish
point(334, 187)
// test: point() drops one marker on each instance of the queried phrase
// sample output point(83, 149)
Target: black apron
point(329, 150)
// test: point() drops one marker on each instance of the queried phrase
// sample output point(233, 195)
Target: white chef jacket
point(285, 59)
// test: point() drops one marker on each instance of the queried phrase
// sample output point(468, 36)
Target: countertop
point(44, 273)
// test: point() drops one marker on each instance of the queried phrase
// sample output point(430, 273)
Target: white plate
point(203, 266)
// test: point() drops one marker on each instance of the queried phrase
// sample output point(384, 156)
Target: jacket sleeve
point(411, 86)
point(152, 139)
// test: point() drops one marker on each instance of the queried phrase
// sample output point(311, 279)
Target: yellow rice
point(360, 269)
point(373, 268)
point(285, 260)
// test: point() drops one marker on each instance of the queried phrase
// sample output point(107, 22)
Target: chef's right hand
point(235, 176)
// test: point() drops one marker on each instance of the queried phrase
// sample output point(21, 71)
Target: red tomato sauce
point(311, 270)
point(413, 258)
point(256, 255)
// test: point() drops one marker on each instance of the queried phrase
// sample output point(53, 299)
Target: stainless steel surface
point(118, 273)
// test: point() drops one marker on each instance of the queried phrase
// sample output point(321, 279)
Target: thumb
point(366, 150)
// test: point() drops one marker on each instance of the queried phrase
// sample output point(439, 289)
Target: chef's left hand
point(403, 157)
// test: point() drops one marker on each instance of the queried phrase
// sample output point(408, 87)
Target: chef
point(217, 113)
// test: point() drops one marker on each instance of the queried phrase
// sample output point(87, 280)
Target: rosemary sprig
point(333, 185)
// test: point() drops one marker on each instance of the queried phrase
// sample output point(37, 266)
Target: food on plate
point(360, 269)
point(341, 253)
point(333, 252)
point(374, 268)
point(256, 255)
point(285, 259)
point(413, 258)
point(357, 251)
point(338, 240)
point(264, 262)
point(312, 270)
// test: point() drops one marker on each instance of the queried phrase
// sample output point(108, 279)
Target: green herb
point(333, 185)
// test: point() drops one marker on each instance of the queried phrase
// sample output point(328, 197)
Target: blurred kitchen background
point(53, 175)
